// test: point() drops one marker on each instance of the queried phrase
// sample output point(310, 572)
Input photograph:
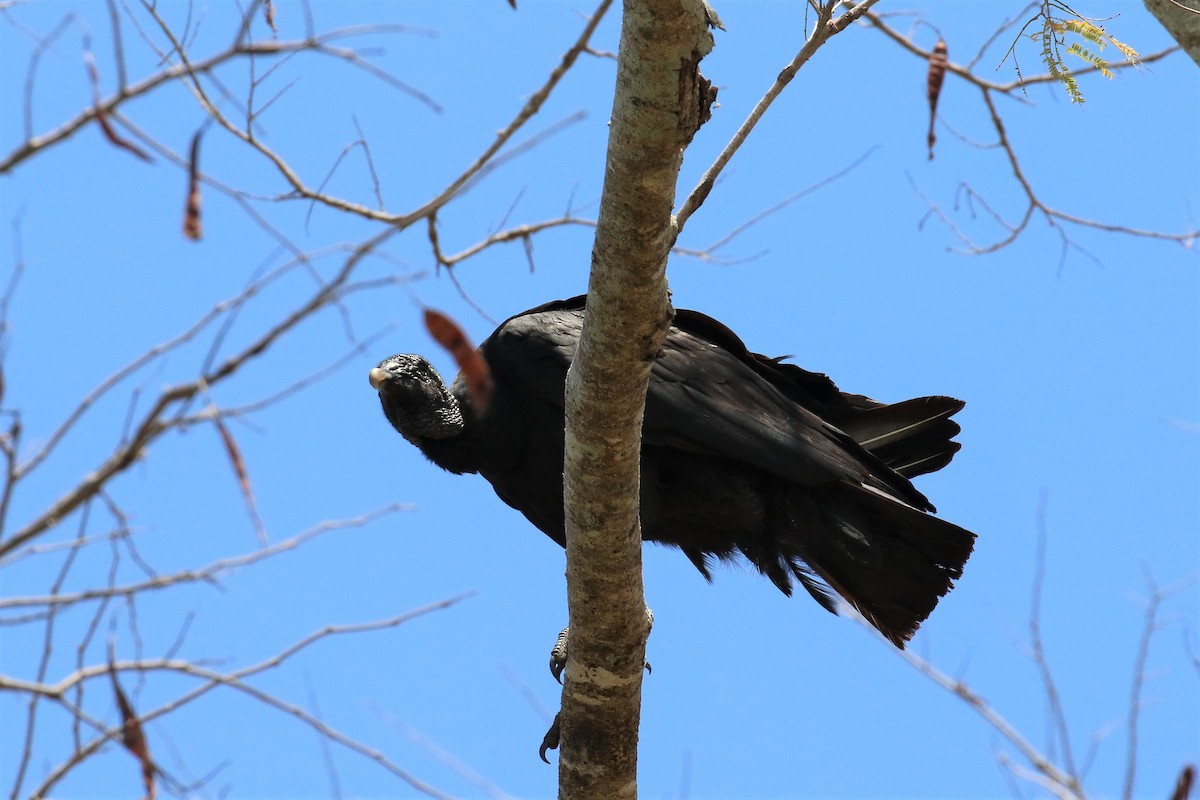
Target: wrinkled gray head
point(415, 399)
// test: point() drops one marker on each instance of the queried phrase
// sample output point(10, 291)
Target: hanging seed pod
point(192, 228)
point(933, 85)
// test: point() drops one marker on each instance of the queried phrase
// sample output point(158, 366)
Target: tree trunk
point(660, 102)
point(1182, 21)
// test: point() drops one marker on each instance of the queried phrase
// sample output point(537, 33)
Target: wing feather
point(709, 394)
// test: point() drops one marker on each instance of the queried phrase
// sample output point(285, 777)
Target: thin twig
point(517, 233)
point(1001, 725)
point(154, 423)
point(1149, 628)
point(206, 574)
point(1033, 203)
point(824, 29)
point(37, 144)
point(707, 252)
point(235, 679)
point(1037, 644)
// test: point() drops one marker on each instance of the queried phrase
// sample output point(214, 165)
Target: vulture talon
point(558, 655)
point(550, 740)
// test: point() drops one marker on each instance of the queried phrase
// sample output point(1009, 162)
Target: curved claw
point(558, 656)
point(550, 740)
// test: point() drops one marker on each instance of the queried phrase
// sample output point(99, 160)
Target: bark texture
point(1181, 18)
point(659, 103)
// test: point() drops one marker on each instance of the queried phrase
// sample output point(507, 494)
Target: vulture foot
point(550, 740)
point(558, 653)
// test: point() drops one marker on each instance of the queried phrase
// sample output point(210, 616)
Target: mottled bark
point(1181, 18)
point(659, 103)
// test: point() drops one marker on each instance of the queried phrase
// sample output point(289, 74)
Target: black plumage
point(741, 455)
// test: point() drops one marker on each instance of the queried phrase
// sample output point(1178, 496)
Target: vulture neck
point(447, 433)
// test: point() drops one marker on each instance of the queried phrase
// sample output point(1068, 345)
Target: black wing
point(777, 475)
point(912, 437)
point(704, 397)
point(709, 393)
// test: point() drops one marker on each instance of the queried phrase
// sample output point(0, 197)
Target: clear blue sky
point(1081, 378)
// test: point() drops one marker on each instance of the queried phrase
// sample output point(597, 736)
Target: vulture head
point(416, 400)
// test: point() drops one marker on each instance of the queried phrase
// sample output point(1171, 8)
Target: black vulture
point(741, 455)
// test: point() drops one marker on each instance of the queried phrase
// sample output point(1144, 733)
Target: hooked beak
point(377, 377)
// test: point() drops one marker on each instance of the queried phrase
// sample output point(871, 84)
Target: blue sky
point(1080, 374)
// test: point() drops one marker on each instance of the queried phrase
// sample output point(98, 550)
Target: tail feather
point(912, 437)
point(888, 560)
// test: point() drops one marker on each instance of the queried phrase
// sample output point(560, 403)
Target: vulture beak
point(378, 376)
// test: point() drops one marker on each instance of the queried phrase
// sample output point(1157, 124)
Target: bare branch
point(441, 754)
point(235, 679)
point(1037, 643)
point(115, 595)
point(531, 107)
point(154, 423)
point(825, 28)
point(1183, 784)
point(208, 574)
point(1063, 784)
point(1053, 217)
point(707, 253)
point(1150, 626)
point(520, 232)
point(37, 144)
point(1008, 89)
